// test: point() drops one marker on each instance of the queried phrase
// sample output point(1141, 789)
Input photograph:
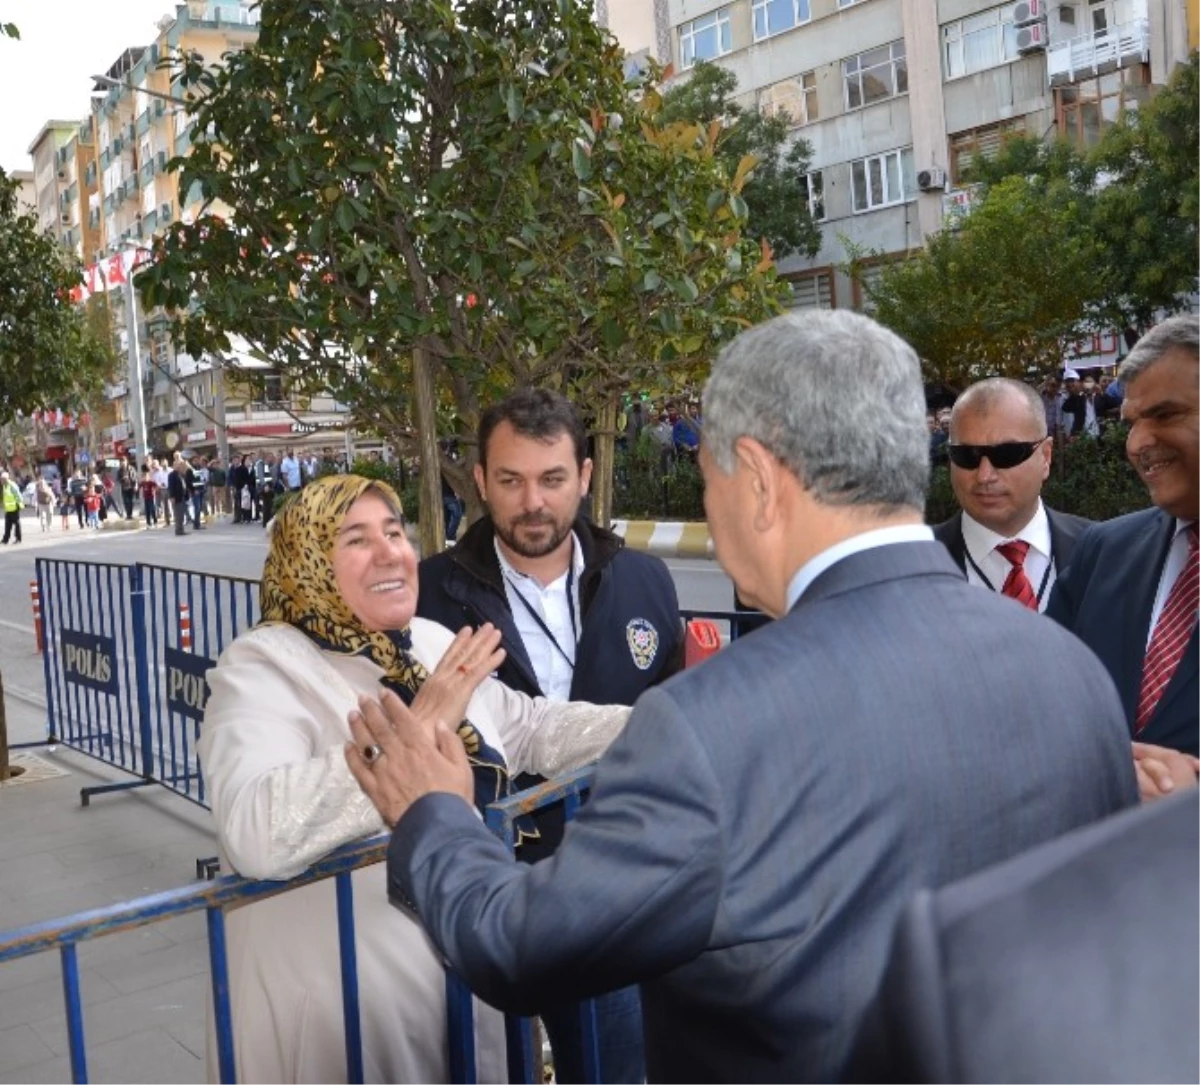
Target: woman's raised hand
point(472, 656)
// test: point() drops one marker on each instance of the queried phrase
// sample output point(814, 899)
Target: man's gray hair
point(837, 398)
point(985, 394)
point(1182, 331)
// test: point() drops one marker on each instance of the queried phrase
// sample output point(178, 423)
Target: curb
point(666, 540)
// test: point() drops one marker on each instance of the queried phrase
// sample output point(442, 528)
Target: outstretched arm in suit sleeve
point(632, 892)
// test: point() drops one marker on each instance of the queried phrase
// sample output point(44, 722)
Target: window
point(982, 41)
point(812, 291)
point(776, 16)
point(795, 99)
point(815, 184)
point(704, 38)
point(847, 3)
point(882, 180)
point(983, 142)
point(875, 75)
point(1084, 110)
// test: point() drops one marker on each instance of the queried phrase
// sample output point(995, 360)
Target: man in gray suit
point(754, 834)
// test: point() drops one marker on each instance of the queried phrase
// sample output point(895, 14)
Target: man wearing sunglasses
point(1005, 539)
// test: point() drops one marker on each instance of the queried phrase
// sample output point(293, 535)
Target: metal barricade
point(219, 607)
point(216, 896)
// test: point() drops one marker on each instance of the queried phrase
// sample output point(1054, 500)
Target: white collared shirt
point(1172, 567)
point(555, 669)
point(868, 540)
point(982, 556)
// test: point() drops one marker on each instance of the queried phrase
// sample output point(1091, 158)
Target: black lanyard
point(1045, 576)
point(541, 622)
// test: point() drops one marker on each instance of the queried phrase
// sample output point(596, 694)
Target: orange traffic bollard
point(185, 627)
point(37, 615)
point(701, 641)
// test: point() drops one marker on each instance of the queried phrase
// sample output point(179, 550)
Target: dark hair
point(537, 413)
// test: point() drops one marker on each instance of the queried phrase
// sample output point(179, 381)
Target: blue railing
point(215, 896)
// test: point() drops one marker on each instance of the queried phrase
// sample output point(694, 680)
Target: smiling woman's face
point(374, 565)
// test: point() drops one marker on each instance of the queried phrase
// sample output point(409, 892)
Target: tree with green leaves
point(427, 204)
point(51, 352)
point(777, 194)
point(1007, 293)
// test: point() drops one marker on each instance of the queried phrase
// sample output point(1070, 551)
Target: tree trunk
point(3, 734)
point(603, 462)
point(432, 525)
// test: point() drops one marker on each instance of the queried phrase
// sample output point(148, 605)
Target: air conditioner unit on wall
point(1031, 39)
point(1028, 11)
point(931, 180)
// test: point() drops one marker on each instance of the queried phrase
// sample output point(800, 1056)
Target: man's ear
point(479, 483)
point(762, 476)
point(585, 477)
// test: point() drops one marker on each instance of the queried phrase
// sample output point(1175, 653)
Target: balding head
point(1001, 395)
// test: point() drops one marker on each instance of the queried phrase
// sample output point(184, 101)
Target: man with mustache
point(1131, 592)
point(582, 617)
point(1005, 539)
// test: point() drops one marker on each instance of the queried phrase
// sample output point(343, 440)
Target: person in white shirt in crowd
point(1005, 538)
point(289, 471)
point(161, 477)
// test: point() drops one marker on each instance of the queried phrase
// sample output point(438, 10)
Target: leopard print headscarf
point(299, 588)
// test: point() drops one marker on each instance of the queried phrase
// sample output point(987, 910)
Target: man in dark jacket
point(127, 477)
point(179, 489)
point(582, 619)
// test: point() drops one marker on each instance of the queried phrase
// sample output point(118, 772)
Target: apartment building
point(101, 188)
point(26, 192)
point(895, 97)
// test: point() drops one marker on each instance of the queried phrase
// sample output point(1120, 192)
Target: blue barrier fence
point(214, 897)
point(121, 684)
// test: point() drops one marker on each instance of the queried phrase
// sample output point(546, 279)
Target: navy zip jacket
point(631, 636)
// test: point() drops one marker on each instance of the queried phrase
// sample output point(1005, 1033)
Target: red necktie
point(1016, 585)
point(1172, 632)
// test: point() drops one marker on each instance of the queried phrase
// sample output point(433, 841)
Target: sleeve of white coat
point(279, 805)
point(550, 737)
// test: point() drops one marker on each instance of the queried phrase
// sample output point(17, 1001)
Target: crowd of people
point(893, 834)
point(183, 492)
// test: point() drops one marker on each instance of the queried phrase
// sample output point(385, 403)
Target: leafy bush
point(644, 490)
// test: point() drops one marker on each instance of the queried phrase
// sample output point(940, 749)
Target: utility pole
point(219, 411)
point(136, 399)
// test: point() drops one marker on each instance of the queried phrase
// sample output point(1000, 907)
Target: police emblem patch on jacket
point(643, 642)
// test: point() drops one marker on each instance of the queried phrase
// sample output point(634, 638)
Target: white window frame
point(814, 186)
point(853, 69)
point(994, 22)
point(716, 22)
point(760, 13)
point(904, 164)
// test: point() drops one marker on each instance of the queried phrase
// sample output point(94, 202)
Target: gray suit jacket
point(1074, 962)
point(753, 836)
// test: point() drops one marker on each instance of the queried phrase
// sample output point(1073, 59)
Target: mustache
point(533, 519)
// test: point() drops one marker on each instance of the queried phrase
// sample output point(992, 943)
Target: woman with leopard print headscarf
point(339, 594)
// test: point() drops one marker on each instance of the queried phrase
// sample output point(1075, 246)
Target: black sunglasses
point(1001, 457)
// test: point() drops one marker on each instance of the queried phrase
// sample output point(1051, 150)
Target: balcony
point(143, 122)
point(147, 172)
point(1094, 54)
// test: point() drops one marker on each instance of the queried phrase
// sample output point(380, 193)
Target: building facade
point(102, 188)
point(895, 97)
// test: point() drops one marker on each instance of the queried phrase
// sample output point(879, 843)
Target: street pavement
point(145, 992)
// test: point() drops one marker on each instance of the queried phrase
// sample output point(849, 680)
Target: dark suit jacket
point(1064, 530)
point(1106, 598)
point(755, 833)
point(1074, 962)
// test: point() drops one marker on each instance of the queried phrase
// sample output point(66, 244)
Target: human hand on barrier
point(397, 757)
point(472, 656)
point(1162, 771)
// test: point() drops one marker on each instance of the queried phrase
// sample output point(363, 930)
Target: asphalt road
point(223, 548)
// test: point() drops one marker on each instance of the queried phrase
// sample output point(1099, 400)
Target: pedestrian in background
point(78, 490)
point(149, 498)
point(92, 503)
point(13, 504)
point(199, 475)
point(158, 471)
point(217, 481)
point(179, 493)
point(45, 504)
point(127, 476)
